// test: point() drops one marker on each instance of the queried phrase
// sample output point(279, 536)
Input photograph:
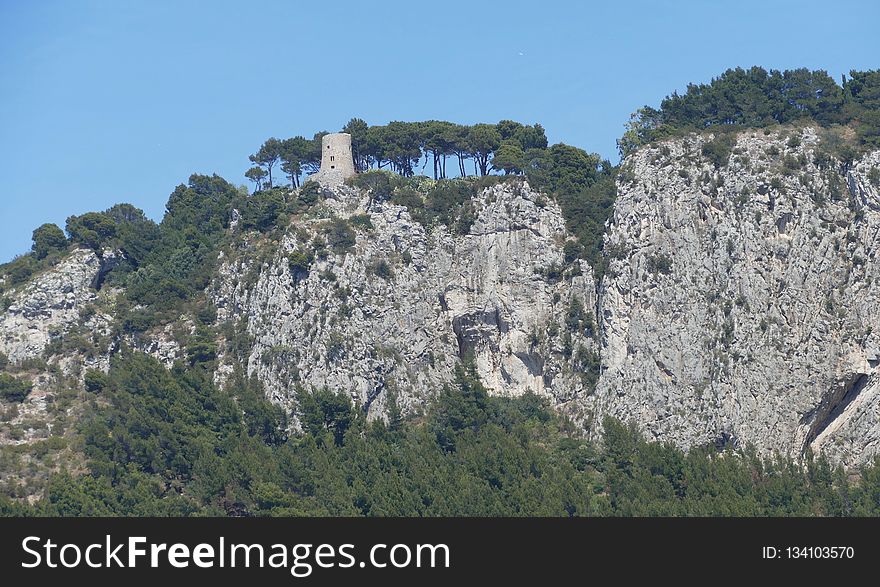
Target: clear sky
point(106, 101)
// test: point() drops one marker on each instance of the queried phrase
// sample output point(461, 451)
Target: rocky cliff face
point(741, 303)
point(389, 319)
point(50, 305)
point(57, 305)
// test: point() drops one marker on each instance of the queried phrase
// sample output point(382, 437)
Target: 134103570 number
point(845, 552)
point(809, 552)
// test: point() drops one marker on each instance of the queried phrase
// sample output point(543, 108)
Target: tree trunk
point(484, 164)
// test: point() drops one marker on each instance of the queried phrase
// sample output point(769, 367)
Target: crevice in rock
point(511, 229)
point(533, 362)
point(598, 314)
point(852, 185)
point(725, 440)
point(783, 222)
point(666, 371)
point(473, 330)
point(829, 410)
point(465, 347)
point(107, 264)
point(378, 388)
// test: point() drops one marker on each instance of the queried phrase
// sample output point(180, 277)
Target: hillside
point(513, 338)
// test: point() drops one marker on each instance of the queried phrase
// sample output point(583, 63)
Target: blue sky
point(104, 102)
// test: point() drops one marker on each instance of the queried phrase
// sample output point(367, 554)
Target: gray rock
point(479, 295)
point(48, 305)
point(764, 329)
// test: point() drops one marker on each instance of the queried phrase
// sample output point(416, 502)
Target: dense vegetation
point(400, 146)
point(162, 267)
point(582, 183)
point(165, 442)
point(13, 389)
point(758, 98)
point(584, 186)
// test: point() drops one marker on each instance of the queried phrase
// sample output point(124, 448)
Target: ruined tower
point(336, 159)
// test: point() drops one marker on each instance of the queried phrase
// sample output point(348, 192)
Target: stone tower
point(336, 159)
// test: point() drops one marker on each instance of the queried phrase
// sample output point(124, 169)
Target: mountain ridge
point(356, 295)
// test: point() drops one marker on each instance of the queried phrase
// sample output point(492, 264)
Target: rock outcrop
point(49, 305)
point(742, 304)
point(45, 316)
point(390, 319)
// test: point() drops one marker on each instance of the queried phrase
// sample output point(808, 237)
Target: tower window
point(332, 158)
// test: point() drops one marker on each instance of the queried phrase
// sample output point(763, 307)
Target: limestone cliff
point(48, 306)
point(741, 304)
point(395, 334)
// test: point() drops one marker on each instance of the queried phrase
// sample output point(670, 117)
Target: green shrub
point(92, 229)
point(587, 364)
point(300, 263)
point(446, 200)
point(361, 221)
point(578, 319)
point(412, 200)
point(466, 218)
point(575, 314)
point(263, 210)
point(791, 162)
point(571, 251)
point(95, 380)
point(201, 347)
point(309, 193)
point(340, 236)
point(659, 263)
point(585, 189)
point(139, 320)
point(382, 269)
point(48, 238)
point(378, 183)
point(552, 273)
point(323, 412)
point(718, 150)
point(19, 270)
point(206, 314)
point(14, 389)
